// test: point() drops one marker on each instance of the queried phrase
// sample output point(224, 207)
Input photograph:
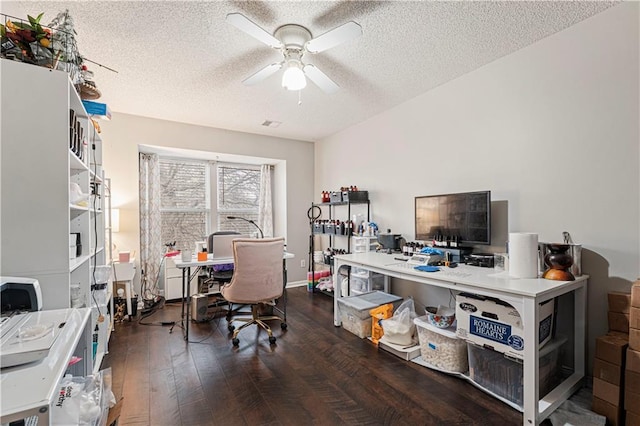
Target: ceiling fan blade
point(320, 79)
point(262, 74)
point(243, 23)
point(334, 37)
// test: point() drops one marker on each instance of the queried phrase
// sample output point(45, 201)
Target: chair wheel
point(272, 339)
point(283, 325)
point(231, 327)
point(236, 342)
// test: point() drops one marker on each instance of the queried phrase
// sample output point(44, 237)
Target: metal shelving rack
point(332, 206)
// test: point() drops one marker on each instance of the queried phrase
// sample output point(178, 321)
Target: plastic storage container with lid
point(354, 310)
point(503, 375)
point(441, 348)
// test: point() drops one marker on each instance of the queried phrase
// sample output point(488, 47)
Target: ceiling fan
point(294, 41)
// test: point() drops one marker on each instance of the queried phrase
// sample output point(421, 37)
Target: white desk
point(186, 280)
point(30, 389)
point(523, 294)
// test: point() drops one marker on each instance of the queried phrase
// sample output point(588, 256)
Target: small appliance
point(19, 294)
point(199, 306)
point(26, 333)
point(479, 259)
point(390, 241)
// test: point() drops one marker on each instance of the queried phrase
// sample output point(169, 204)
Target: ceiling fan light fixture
point(293, 77)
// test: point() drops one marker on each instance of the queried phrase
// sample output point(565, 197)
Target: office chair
point(258, 280)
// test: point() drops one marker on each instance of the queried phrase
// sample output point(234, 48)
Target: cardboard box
point(613, 413)
point(631, 381)
point(612, 347)
point(634, 339)
point(632, 419)
point(618, 321)
point(634, 317)
point(607, 392)
point(619, 301)
point(632, 402)
point(633, 360)
point(114, 413)
point(608, 372)
point(493, 323)
point(635, 294)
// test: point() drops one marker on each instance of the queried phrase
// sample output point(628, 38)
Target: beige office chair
point(258, 280)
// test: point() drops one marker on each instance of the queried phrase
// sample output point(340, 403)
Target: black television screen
point(465, 217)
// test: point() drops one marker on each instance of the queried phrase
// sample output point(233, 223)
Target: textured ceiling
point(181, 61)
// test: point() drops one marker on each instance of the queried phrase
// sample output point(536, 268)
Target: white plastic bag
point(400, 328)
point(83, 401)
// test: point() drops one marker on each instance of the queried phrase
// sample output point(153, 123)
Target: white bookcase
point(38, 166)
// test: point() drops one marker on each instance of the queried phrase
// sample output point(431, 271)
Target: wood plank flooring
point(315, 374)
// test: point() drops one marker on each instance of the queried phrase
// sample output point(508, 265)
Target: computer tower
point(199, 306)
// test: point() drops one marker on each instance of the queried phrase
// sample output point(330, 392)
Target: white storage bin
point(354, 310)
point(363, 244)
point(441, 348)
point(503, 376)
point(363, 280)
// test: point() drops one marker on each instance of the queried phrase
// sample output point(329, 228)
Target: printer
point(20, 295)
point(26, 332)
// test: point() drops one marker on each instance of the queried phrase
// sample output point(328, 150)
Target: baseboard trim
point(296, 284)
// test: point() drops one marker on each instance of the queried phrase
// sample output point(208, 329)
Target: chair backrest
point(258, 274)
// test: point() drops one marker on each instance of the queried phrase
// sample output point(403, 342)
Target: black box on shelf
point(335, 196)
point(355, 196)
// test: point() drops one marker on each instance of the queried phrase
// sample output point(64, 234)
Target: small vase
point(559, 263)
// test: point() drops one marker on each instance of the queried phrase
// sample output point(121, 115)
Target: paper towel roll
point(523, 255)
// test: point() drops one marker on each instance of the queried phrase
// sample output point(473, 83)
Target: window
point(238, 195)
point(184, 204)
point(186, 199)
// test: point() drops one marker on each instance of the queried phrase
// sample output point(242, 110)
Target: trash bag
point(400, 328)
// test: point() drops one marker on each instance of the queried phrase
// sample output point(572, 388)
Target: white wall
point(551, 129)
point(294, 173)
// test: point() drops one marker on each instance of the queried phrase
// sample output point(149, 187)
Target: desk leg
point(337, 292)
point(188, 317)
point(530, 367)
point(186, 273)
point(580, 330)
point(128, 294)
point(284, 288)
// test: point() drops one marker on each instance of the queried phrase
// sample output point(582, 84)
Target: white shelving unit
point(38, 167)
point(29, 391)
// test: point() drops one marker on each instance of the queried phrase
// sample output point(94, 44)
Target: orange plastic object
point(377, 314)
point(202, 256)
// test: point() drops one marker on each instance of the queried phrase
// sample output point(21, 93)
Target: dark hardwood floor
point(315, 374)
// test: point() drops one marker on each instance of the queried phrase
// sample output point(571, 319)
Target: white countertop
point(471, 276)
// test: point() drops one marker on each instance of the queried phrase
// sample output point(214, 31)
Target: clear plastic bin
point(441, 348)
point(503, 375)
point(354, 310)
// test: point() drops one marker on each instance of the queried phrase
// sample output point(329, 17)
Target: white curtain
point(151, 249)
point(265, 206)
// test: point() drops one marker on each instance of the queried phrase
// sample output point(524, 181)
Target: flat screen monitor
point(465, 217)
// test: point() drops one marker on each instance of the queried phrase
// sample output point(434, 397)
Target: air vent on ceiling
point(269, 123)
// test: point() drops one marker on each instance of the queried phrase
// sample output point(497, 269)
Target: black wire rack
point(53, 46)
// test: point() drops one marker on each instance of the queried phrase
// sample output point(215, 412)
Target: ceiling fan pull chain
point(299, 97)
